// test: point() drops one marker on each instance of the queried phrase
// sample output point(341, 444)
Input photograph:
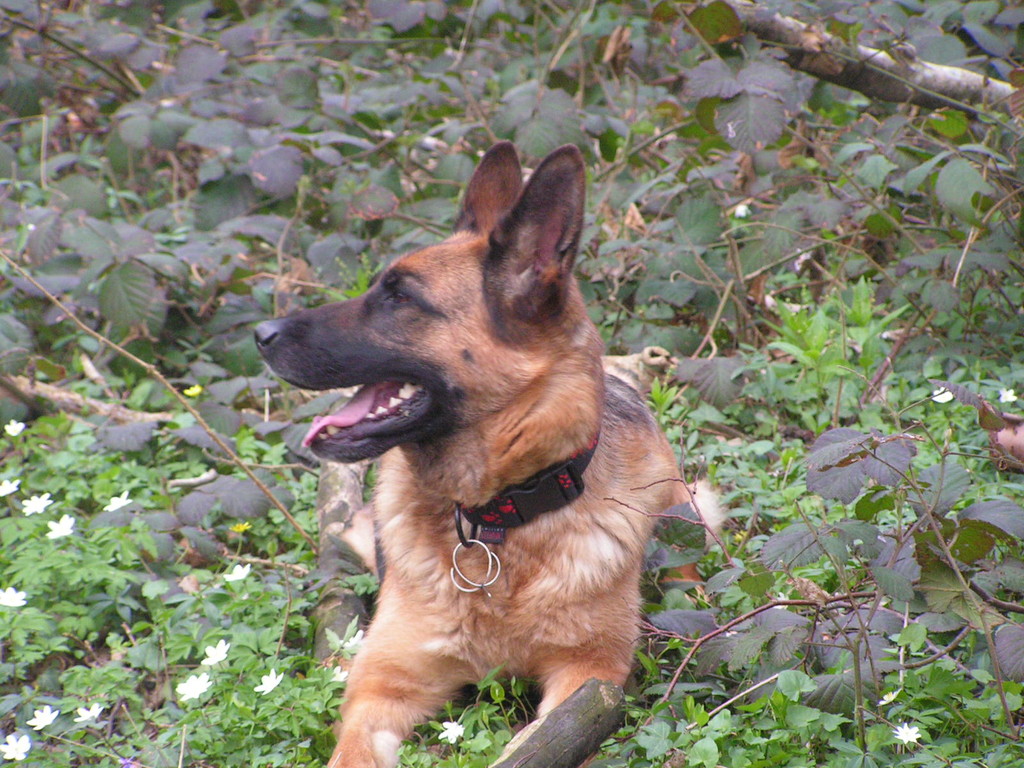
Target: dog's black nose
point(267, 331)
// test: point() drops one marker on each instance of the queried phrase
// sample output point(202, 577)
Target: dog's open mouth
point(388, 406)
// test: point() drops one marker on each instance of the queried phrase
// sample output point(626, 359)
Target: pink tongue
point(355, 410)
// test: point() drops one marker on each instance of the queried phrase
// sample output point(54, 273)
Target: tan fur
point(516, 339)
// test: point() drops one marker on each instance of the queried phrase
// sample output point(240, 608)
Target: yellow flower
point(241, 527)
point(194, 391)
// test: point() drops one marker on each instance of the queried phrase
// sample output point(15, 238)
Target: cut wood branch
point(30, 391)
point(346, 548)
point(895, 76)
point(571, 732)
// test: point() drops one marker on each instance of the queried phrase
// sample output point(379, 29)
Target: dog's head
point(452, 333)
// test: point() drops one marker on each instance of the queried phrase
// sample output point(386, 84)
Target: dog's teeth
point(381, 410)
point(332, 430)
point(407, 391)
point(394, 401)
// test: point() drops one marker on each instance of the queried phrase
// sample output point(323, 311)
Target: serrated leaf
point(792, 547)
point(837, 447)
point(16, 339)
point(956, 186)
point(239, 498)
point(129, 296)
point(749, 122)
point(223, 199)
point(889, 460)
point(192, 507)
point(714, 378)
point(974, 540)
point(199, 63)
point(748, 647)
point(716, 22)
point(839, 453)
point(942, 486)
point(944, 593)
point(701, 222)
point(1008, 645)
point(895, 585)
point(834, 693)
point(1000, 513)
point(126, 437)
point(197, 436)
point(951, 123)
point(875, 170)
point(276, 170)
point(713, 78)
point(684, 623)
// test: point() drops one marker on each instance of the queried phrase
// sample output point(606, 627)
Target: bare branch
point(894, 77)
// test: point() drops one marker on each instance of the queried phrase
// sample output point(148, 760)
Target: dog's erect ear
point(533, 248)
point(492, 191)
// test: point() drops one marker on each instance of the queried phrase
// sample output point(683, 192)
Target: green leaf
point(1009, 650)
point(276, 170)
point(749, 122)
point(875, 170)
point(16, 342)
point(1002, 514)
point(716, 22)
point(951, 123)
point(792, 683)
point(893, 583)
point(956, 187)
point(942, 486)
point(129, 296)
point(792, 547)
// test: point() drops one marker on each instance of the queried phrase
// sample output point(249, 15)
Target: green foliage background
point(821, 264)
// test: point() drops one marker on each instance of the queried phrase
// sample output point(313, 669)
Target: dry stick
point(150, 369)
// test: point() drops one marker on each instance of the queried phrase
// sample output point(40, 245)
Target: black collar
point(546, 491)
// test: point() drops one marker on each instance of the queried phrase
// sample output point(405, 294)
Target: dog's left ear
point(533, 248)
point(493, 189)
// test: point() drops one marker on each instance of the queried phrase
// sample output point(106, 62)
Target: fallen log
point(571, 732)
point(340, 512)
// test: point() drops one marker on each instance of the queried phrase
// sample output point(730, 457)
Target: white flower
point(16, 747)
point(451, 732)
point(741, 211)
point(12, 598)
point(36, 504)
point(269, 682)
point(339, 675)
point(238, 573)
point(889, 698)
point(14, 428)
point(116, 502)
point(1007, 396)
point(43, 717)
point(63, 527)
point(908, 734)
point(86, 715)
point(353, 642)
point(215, 654)
point(194, 687)
point(7, 487)
point(942, 395)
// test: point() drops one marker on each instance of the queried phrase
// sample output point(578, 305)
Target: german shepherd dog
point(518, 483)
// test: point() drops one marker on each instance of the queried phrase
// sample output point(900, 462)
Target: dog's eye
point(392, 287)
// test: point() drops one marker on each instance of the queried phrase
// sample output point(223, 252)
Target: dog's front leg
point(393, 686)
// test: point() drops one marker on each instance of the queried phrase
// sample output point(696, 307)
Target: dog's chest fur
point(566, 577)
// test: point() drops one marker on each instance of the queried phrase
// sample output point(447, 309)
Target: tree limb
point(342, 517)
point(569, 733)
point(896, 77)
